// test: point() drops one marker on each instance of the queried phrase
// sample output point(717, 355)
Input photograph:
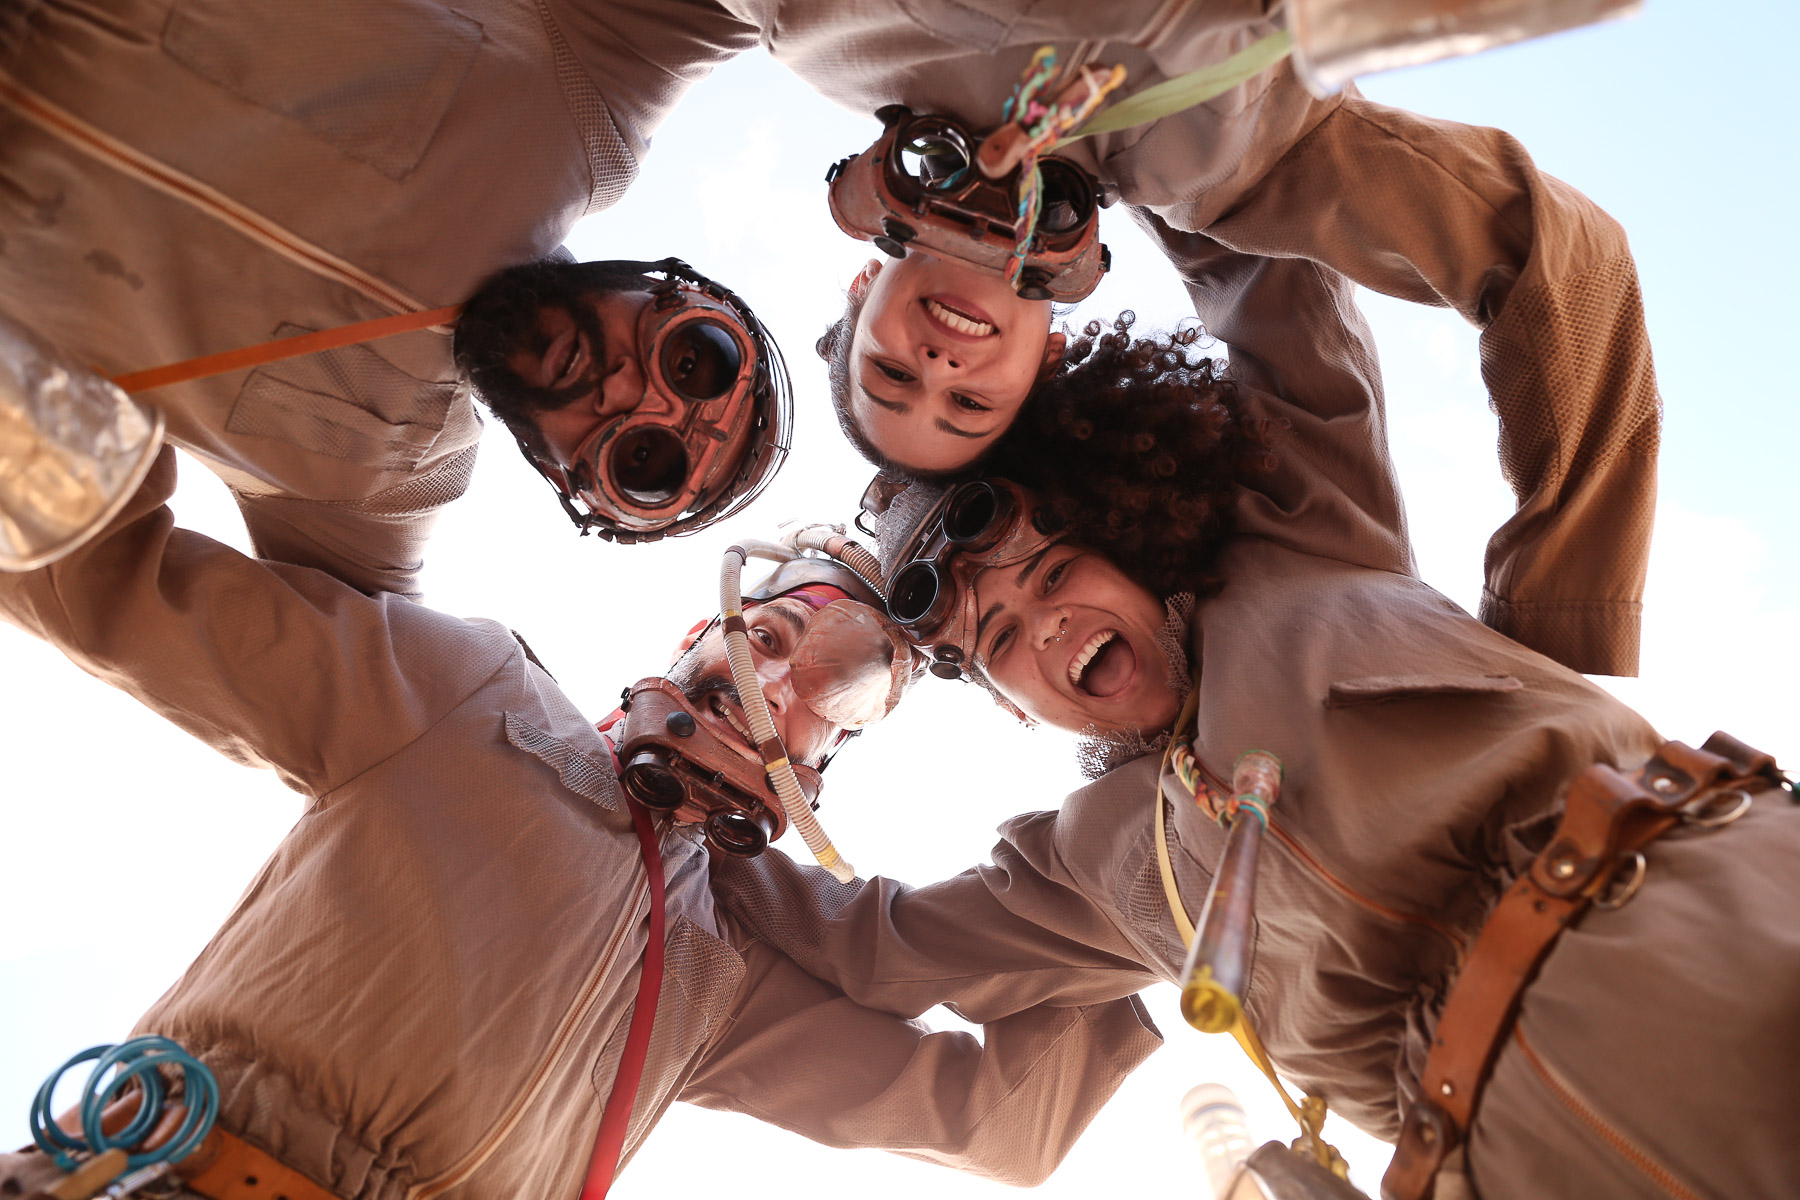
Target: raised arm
point(269, 664)
point(990, 942)
point(1460, 217)
point(801, 1055)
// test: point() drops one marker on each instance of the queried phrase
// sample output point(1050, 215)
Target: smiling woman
point(940, 357)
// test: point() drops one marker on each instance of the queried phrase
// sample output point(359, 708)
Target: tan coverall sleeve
point(990, 942)
point(270, 664)
point(1457, 216)
point(801, 1055)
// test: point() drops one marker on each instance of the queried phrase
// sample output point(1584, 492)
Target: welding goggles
point(918, 187)
point(975, 525)
point(849, 666)
point(714, 426)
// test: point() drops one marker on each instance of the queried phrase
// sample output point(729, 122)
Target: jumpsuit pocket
point(350, 404)
point(1380, 689)
point(372, 80)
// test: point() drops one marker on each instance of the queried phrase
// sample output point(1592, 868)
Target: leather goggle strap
point(1606, 817)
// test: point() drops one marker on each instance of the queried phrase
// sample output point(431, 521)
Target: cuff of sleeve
point(1595, 637)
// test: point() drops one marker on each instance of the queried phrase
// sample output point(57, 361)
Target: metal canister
point(73, 450)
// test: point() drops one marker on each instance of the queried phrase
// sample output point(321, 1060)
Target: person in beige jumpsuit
point(179, 177)
point(425, 990)
point(1425, 761)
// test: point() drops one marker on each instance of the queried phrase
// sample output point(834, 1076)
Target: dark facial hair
point(502, 319)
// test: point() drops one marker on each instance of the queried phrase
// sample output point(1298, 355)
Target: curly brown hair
point(1139, 445)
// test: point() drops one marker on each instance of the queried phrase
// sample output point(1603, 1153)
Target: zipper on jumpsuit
point(590, 992)
point(1598, 1125)
point(1457, 943)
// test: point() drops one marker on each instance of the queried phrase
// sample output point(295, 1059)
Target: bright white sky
point(127, 842)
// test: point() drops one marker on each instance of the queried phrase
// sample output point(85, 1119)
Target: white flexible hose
point(762, 727)
point(832, 541)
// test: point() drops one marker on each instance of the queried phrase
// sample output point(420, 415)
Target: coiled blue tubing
point(139, 1059)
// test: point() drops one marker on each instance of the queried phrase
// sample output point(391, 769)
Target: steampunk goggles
point(918, 187)
point(976, 525)
point(714, 427)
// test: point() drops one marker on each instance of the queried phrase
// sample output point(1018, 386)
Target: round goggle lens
point(914, 593)
point(1067, 199)
point(936, 155)
point(701, 360)
point(653, 783)
point(649, 464)
point(971, 512)
point(737, 834)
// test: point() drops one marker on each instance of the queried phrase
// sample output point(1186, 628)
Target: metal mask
point(976, 525)
point(714, 426)
point(918, 186)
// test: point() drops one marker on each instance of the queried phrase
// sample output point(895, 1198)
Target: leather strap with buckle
point(1595, 856)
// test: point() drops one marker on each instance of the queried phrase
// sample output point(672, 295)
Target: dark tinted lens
point(914, 593)
point(971, 512)
point(653, 782)
point(701, 360)
point(649, 464)
point(735, 833)
point(1067, 199)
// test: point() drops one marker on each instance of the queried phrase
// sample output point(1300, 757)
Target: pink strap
point(610, 1141)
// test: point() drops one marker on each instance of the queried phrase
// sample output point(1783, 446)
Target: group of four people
point(431, 986)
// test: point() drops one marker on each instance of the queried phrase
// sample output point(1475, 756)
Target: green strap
point(1196, 87)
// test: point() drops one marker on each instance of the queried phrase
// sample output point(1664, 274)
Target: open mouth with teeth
point(731, 716)
point(964, 323)
point(560, 360)
point(1104, 666)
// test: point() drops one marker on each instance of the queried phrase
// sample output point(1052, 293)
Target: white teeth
point(957, 321)
point(1079, 663)
point(718, 706)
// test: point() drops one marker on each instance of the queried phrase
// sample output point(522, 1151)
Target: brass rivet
point(1447, 1088)
point(1562, 868)
point(1427, 1134)
point(1663, 784)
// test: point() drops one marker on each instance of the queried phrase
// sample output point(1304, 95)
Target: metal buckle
point(1710, 812)
point(1617, 895)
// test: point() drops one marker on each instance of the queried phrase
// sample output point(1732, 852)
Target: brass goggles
point(918, 187)
point(713, 428)
point(976, 525)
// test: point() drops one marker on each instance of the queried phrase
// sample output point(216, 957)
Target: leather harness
point(1595, 857)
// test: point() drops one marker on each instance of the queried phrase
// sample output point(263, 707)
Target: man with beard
point(434, 983)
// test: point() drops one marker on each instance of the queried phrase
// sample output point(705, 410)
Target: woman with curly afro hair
point(1139, 445)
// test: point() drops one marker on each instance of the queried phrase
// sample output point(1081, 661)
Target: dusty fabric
point(417, 146)
point(1425, 210)
point(519, 118)
point(1425, 760)
point(426, 989)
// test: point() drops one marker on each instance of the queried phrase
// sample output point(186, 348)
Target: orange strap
point(288, 347)
point(226, 1167)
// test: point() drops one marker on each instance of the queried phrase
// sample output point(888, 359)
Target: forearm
point(1460, 217)
point(988, 943)
point(800, 1055)
point(269, 664)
